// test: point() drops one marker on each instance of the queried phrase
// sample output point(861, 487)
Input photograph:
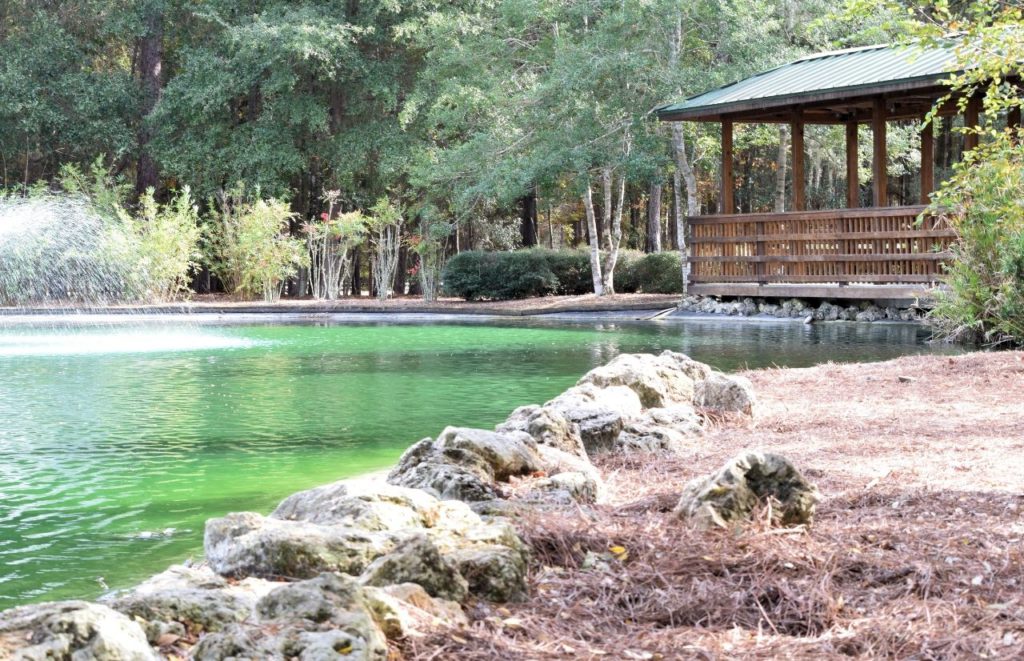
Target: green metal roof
point(823, 77)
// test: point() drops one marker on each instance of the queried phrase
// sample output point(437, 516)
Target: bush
point(249, 246)
point(476, 275)
point(572, 270)
point(167, 243)
point(656, 273)
point(982, 203)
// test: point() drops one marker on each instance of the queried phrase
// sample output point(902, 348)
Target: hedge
point(476, 275)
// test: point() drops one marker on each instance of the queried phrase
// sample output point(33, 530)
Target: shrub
point(655, 273)
point(249, 247)
point(475, 275)
point(626, 281)
point(167, 243)
point(982, 203)
point(572, 270)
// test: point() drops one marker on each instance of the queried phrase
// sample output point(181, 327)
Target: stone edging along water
point(341, 569)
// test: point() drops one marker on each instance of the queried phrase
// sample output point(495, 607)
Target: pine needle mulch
point(917, 550)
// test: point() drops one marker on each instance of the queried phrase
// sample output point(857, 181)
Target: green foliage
point(248, 245)
point(655, 273)
point(475, 275)
point(167, 238)
point(982, 202)
point(572, 270)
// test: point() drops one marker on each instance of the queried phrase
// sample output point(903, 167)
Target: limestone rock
point(657, 381)
point(599, 422)
point(547, 426)
point(496, 573)
point(327, 617)
point(666, 429)
point(446, 481)
point(406, 610)
point(73, 630)
point(194, 599)
point(565, 488)
point(726, 393)
point(464, 463)
point(366, 504)
point(555, 461)
point(731, 493)
point(418, 560)
point(247, 544)
point(509, 454)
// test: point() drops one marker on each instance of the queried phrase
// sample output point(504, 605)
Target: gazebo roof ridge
point(825, 77)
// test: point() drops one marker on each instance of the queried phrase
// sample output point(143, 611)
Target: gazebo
point(868, 253)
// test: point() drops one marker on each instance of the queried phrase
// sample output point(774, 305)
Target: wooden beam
point(852, 167)
point(971, 118)
point(728, 183)
point(880, 157)
point(927, 162)
point(799, 179)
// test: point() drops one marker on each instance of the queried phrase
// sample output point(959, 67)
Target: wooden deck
point(846, 253)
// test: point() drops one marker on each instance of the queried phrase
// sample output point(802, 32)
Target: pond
point(120, 439)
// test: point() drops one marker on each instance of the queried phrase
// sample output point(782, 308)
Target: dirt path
point(916, 551)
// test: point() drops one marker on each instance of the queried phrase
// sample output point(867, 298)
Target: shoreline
point(904, 489)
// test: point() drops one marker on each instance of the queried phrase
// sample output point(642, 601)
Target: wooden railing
point(880, 246)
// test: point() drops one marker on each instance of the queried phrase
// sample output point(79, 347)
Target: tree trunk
point(401, 271)
point(780, 172)
point(551, 230)
point(692, 205)
point(595, 250)
point(357, 280)
point(613, 225)
point(528, 219)
point(653, 242)
point(151, 58)
point(683, 169)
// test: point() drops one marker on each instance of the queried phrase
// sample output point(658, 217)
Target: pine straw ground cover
point(916, 551)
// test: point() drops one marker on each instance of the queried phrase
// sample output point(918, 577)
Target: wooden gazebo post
point(852, 166)
point(797, 145)
point(880, 156)
point(927, 162)
point(728, 185)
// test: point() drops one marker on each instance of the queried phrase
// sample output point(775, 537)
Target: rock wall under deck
point(336, 571)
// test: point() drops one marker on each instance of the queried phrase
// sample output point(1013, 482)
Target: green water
point(119, 441)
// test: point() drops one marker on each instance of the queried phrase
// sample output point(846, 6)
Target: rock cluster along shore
point(336, 571)
point(795, 308)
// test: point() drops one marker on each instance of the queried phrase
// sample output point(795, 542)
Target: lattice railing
point(882, 246)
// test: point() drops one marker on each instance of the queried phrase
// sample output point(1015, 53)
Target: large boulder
point(564, 489)
point(186, 599)
point(496, 573)
point(73, 630)
point(547, 426)
point(406, 609)
point(248, 544)
point(726, 394)
point(418, 560)
point(598, 413)
point(327, 617)
point(657, 380)
point(746, 481)
point(666, 429)
point(366, 504)
point(465, 464)
point(508, 454)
